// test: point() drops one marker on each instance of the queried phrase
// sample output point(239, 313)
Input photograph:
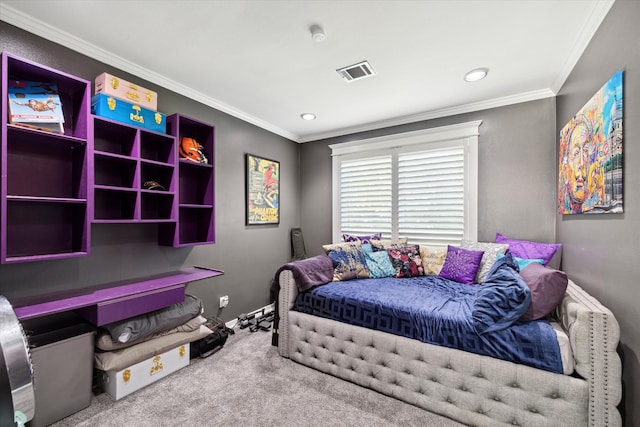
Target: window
point(421, 185)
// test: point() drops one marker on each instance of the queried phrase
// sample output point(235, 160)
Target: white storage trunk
point(118, 384)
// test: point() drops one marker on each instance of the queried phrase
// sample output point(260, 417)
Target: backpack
point(213, 342)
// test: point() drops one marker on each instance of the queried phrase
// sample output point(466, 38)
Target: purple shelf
point(45, 202)
point(195, 211)
point(119, 300)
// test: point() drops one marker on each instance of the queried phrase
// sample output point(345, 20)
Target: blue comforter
point(433, 310)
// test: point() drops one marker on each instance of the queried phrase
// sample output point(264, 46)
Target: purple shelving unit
point(45, 202)
point(125, 157)
point(195, 210)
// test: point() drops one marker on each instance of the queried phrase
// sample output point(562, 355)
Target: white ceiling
point(256, 59)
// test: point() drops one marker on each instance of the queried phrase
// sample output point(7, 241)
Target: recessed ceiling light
point(477, 74)
point(308, 116)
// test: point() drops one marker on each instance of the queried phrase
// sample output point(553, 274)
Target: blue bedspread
point(433, 310)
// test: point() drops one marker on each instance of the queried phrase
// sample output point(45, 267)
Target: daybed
point(471, 388)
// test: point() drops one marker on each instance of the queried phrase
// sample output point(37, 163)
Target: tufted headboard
point(594, 334)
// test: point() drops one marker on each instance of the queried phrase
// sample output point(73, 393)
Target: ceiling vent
point(357, 71)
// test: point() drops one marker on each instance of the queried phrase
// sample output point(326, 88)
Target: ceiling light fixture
point(308, 116)
point(475, 75)
point(317, 33)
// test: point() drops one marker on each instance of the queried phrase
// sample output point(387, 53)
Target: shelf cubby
point(156, 205)
point(114, 171)
point(157, 147)
point(159, 173)
point(196, 183)
point(45, 201)
point(195, 225)
point(111, 137)
point(112, 205)
point(41, 165)
point(44, 229)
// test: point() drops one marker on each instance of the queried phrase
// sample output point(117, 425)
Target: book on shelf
point(35, 105)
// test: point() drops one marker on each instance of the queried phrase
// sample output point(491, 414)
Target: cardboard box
point(126, 112)
point(118, 384)
point(126, 91)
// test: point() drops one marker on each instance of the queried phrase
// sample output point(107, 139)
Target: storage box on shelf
point(126, 157)
point(44, 201)
point(128, 113)
point(196, 208)
point(127, 91)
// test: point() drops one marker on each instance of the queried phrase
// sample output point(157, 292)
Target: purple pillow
point(547, 287)
point(461, 265)
point(361, 239)
point(529, 250)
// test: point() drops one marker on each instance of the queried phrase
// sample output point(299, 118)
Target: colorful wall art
point(590, 165)
point(263, 190)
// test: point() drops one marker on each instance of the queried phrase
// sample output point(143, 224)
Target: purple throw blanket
point(309, 272)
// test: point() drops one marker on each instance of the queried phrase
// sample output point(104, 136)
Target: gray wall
point(516, 173)
point(249, 256)
point(601, 251)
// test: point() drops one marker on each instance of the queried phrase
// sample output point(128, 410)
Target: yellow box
point(130, 92)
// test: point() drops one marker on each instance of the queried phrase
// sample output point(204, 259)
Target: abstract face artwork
point(590, 164)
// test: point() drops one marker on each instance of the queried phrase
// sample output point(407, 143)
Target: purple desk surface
point(114, 291)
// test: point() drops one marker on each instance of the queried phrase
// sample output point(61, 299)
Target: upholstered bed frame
point(473, 389)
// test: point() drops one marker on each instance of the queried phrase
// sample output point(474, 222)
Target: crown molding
point(49, 32)
point(598, 13)
point(434, 114)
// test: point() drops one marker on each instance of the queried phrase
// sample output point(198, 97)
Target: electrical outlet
point(224, 301)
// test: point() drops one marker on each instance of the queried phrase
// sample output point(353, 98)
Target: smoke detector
point(357, 71)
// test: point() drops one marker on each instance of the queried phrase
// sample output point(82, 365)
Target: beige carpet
point(248, 384)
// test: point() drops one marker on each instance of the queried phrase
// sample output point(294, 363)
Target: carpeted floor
point(247, 383)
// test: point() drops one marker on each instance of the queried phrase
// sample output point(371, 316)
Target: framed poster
point(590, 166)
point(262, 191)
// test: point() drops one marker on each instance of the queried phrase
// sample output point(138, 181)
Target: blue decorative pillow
point(461, 265)
point(378, 262)
point(522, 263)
point(348, 261)
point(502, 299)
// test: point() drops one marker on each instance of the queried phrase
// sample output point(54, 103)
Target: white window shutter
point(431, 196)
point(365, 196)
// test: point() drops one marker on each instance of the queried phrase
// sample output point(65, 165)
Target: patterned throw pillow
point(529, 250)
point(378, 262)
point(348, 261)
point(406, 261)
point(461, 265)
point(432, 259)
point(491, 252)
point(362, 239)
point(383, 244)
